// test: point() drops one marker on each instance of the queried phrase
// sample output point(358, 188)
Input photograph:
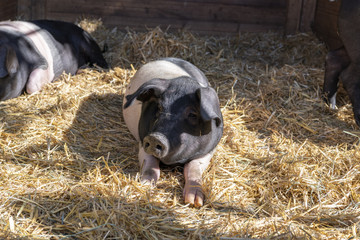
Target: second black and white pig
point(174, 114)
point(37, 52)
point(344, 63)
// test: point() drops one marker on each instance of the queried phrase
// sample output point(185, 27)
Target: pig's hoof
point(149, 178)
point(148, 182)
point(193, 194)
point(333, 106)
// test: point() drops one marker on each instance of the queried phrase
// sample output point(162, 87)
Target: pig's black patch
point(182, 110)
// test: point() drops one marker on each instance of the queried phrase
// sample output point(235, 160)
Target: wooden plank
point(267, 3)
point(7, 10)
point(307, 15)
point(293, 16)
point(258, 3)
point(31, 9)
point(38, 9)
point(201, 27)
point(24, 10)
point(193, 11)
point(192, 14)
point(205, 16)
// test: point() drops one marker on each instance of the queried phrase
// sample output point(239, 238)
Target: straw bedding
point(286, 168)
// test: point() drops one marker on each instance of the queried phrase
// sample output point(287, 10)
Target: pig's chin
point(190, 148)
point(180, 157)
point(177, 157)
point(173, 160)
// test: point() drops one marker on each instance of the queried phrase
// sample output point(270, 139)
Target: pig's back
point(157, 69)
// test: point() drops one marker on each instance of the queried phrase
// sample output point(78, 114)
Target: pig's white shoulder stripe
point(156, 69)
point(163, 69)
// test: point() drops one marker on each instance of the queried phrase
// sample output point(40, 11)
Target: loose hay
point(286, 167)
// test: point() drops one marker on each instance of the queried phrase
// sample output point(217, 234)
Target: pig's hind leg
point(149, 167)
point(351, 81)
point(336, 61)
point(37, 79)
point(193, 172)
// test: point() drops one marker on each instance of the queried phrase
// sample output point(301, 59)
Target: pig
point(343, 63)
point(174, 114)
point(33, 53)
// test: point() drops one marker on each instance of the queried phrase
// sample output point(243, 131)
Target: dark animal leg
point(336, 61)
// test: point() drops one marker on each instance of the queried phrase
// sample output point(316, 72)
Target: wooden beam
point(307, 15)
point(207, 16)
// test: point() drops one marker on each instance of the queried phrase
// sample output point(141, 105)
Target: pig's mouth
point(157, 145)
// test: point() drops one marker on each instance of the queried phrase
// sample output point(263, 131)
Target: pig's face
point(10, 83)
point(180, 120)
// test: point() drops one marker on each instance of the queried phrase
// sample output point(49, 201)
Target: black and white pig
point(344, 62)
point(33, 53)
point(174, 114)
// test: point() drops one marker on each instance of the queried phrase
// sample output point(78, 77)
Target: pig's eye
point(160, 108)
point(192, 118)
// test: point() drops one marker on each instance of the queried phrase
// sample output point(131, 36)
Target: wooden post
point(24, 9)
point(293, 16)
point(38, 9)
point(31, 9)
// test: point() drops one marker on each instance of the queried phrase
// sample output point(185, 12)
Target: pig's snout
point(156, 144)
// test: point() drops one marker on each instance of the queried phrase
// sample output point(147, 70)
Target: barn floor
point(286, 168)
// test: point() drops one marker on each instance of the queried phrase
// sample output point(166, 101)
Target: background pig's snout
point(156, 144)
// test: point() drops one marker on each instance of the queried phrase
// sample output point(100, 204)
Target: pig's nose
point(156, 144)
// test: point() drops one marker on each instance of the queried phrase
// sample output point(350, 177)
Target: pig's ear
point(3, 70)
point(11, 62)
point(153, 88)
point(209, 105)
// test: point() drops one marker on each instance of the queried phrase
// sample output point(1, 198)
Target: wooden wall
point(202, 16)
point(226, 16)
point(8, 10)
point(325, 23)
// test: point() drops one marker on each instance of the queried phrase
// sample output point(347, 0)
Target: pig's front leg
point(193, 171)
point(149, 167)
point(336, 61)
